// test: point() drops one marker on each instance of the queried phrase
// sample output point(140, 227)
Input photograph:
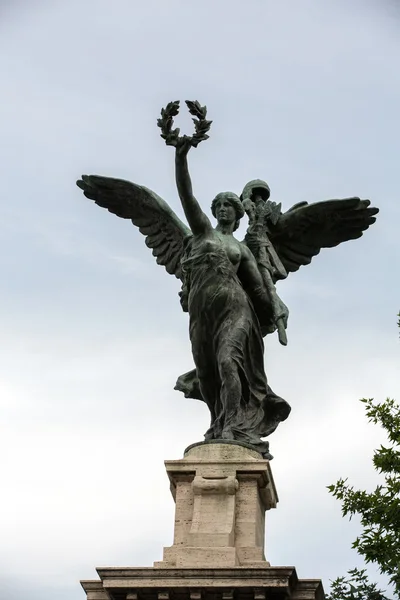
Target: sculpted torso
point(214, 240)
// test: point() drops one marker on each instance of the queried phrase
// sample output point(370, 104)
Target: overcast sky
point(304, 94)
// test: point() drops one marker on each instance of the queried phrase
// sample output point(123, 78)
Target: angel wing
point(165, 233)
point(301, 232)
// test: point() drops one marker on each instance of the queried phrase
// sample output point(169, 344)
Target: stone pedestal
point(269, 583)
point(221, 492)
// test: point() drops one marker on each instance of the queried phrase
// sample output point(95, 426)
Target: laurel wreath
point(201, 125)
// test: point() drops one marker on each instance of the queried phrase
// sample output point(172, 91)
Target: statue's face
point(225, 211)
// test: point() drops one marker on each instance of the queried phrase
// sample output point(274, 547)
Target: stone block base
point(240, 583)
point(221, 493)
point(206, 557)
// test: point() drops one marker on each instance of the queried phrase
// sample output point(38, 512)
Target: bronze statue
point(228, 286)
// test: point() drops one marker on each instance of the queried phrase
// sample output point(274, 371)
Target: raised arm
point(199, 222)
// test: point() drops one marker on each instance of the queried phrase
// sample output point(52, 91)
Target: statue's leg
point(209, 391)
point(207, 374)
point(230, 391)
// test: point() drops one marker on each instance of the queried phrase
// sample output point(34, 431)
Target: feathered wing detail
point(303, 230)
point(164, 231)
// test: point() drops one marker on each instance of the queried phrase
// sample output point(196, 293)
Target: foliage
point(379, 510)
point(355, 587)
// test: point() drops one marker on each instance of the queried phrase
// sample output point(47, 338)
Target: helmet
point(255, 184)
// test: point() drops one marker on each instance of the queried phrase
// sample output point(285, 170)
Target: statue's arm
point(265, 300)
point(199, 222)
point(252, 281)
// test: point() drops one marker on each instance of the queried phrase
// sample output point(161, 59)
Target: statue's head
point(227, 208)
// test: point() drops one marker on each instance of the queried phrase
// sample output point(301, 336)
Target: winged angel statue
point(228, 286)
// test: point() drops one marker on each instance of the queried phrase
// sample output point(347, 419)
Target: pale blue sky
point(304, 94)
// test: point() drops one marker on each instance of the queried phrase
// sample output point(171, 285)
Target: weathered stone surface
point(95, 590)
point(221, 493)
point(267, 583)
